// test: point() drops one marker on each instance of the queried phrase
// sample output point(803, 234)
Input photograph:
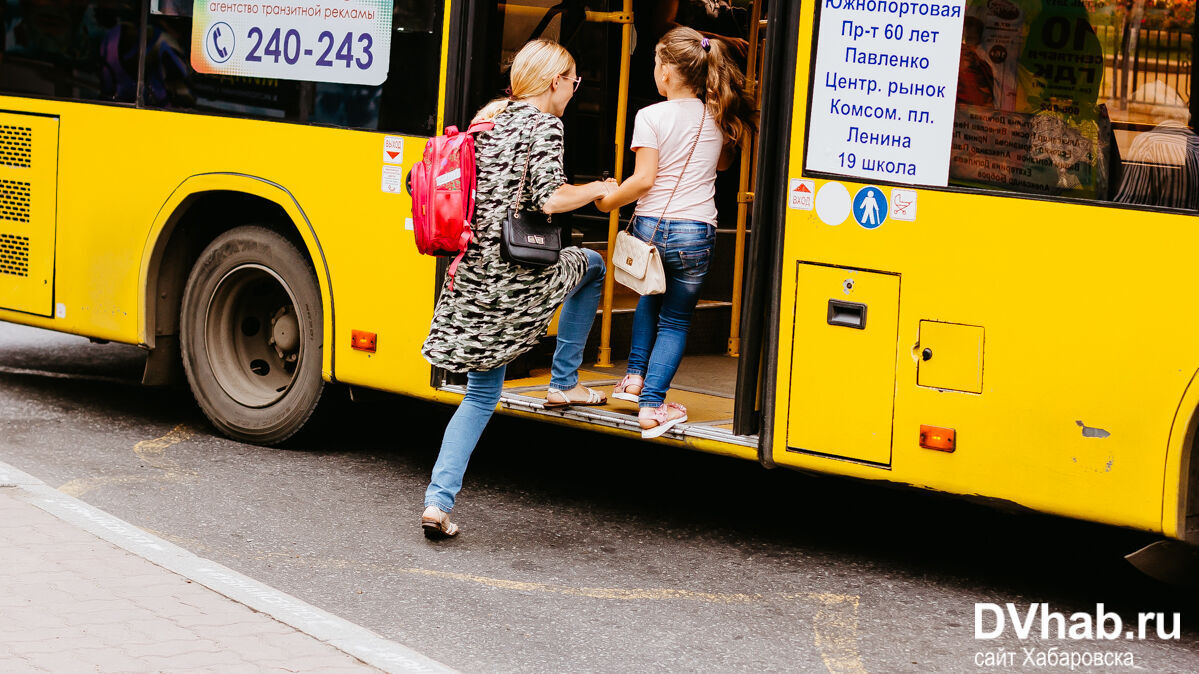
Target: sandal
point(661, 419)
point(594, 397)
point(437, 524)
point(621, 392)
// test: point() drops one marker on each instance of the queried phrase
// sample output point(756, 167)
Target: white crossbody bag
point(636, 264)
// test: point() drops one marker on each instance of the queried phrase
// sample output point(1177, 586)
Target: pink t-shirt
point(669, 127)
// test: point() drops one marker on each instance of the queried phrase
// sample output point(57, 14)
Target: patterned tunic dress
point(497, 310)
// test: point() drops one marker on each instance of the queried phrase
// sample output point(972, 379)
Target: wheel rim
point(253, 335)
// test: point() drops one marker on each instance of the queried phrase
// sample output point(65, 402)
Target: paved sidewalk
point(71, 601)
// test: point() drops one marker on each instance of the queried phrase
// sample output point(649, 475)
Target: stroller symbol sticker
point(870, 207)
point(903, 204)
point(219, 42)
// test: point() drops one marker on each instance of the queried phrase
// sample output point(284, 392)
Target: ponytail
point(707, 68)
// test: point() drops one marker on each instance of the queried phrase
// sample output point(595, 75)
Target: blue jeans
point(483, 389)
point(661, 323)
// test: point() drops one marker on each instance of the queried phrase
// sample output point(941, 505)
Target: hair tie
point(703, 42)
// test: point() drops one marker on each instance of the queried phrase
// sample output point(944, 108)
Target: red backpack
point(442, 186)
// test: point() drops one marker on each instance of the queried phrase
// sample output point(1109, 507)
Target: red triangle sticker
point(802, 188)
point(393, 155)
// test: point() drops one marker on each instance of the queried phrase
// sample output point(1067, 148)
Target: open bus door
point(722, 376)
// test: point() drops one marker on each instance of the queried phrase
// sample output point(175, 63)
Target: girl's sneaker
point(657, 420)
point(629, 388)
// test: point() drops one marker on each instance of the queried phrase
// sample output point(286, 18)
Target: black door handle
point(847, 314)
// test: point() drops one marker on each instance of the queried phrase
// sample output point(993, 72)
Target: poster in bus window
point(883, 90)
point(1029, 115)
point(345, 42)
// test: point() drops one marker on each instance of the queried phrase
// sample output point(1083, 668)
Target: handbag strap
point(703, 116)
point(520, 191)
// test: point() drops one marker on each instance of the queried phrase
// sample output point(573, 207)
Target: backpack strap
point(463, 242)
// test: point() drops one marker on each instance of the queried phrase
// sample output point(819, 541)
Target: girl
point(496, 310)
point(680, 144)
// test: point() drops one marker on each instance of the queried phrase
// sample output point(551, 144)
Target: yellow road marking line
point(83, 485)
point(835, 629)
point(158, 446)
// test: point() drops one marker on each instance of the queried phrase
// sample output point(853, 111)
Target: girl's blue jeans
point(483, 389)
point(661, 323)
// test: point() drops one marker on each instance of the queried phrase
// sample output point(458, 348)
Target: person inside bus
point(680, 144)
point(494, 311)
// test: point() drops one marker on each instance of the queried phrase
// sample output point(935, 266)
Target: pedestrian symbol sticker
point(870, 207)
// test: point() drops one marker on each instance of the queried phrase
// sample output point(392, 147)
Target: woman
point(496, 310)
point(680, 144)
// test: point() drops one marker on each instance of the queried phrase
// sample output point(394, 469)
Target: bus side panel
point(1088, 343)
point(110, 196)
point(28, 173)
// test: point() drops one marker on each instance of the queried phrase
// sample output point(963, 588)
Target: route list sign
point(347, 41)
point(884, 89)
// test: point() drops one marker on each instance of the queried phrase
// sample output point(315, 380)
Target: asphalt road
point(579, 552)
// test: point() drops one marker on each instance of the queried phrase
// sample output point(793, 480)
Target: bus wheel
point(252, 335)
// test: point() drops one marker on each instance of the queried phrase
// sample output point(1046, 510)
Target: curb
point(343, 635)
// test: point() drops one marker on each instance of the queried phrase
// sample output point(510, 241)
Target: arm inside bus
point(644, 174)
point(569, 197)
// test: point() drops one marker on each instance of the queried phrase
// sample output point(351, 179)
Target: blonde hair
point(714, 77)
point(533, 69)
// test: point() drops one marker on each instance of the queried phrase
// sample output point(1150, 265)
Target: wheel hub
point(253, 335)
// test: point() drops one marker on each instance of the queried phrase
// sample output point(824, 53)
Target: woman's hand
point(570, 197)
point(605, 188)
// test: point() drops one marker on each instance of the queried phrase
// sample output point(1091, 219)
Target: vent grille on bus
point(14, 201)
point(16, 146)
point(14, 255)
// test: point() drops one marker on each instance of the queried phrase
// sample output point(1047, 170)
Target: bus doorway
point(613, 47)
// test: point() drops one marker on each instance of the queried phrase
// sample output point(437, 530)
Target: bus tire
point(252, 335)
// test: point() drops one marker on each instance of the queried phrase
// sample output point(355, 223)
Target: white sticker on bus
point(346, 42)
point(393, 149)
point(833, 203)
point(802, 194)
point(393, 179)
point(903, 204)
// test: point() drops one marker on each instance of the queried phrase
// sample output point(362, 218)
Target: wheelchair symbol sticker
point(870, 207)
point(219, 42)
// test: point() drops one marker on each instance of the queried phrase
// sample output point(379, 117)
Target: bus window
point(1077, 99)
point(71, 49)
point(406, 102)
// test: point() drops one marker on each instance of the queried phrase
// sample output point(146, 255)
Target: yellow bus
point(945, 261)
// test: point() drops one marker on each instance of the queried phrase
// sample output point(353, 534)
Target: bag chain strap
point(703, 116)
point(520, 191)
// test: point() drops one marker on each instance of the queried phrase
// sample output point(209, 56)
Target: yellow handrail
point(622, 104)
point(744, 196)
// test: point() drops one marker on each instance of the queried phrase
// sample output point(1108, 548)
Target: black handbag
point(528, 237)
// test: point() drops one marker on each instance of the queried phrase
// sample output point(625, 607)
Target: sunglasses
point(576, 80)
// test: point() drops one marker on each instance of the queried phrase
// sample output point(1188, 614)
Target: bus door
point(28, 174)
point(613, 44)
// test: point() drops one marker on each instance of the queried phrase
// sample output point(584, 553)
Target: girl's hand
point(604, 188)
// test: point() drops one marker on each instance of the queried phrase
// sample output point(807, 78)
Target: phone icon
point(216, 43)
point(219, 42)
